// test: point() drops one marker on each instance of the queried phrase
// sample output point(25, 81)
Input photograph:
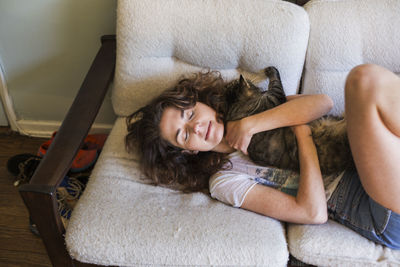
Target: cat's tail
point(275, 84)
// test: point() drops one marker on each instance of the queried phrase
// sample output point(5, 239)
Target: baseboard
point(46, 128)
point(6, 100)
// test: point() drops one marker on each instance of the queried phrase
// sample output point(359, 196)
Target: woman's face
point(194, 129)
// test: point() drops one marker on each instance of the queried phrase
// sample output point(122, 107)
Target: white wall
point(3, 119)
point(46, 47)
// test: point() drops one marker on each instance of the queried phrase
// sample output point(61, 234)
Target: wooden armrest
point(40, 194)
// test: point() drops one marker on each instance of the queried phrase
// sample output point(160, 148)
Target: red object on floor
point(87, 154)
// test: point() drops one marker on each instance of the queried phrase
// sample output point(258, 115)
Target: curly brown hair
point(161, 161)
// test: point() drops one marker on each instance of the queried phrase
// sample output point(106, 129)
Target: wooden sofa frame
point(39, 195)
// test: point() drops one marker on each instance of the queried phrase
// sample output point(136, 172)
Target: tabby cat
point(278, 147)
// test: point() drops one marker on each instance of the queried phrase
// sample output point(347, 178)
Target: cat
point(278, 147)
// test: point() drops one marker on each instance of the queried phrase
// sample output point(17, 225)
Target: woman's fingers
point(237, 136)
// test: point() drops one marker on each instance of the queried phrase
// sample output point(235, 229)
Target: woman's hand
point(299, 109)
point(239, 134)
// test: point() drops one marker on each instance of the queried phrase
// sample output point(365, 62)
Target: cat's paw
point(272, 72)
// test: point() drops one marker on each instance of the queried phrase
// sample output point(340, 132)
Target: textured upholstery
point(333, 244)
point(344, 34)
point(159, 41)
point(121, 220)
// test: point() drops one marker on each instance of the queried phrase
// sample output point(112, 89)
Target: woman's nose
point(196, 127)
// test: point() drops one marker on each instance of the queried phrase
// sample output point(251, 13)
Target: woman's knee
point(365, 78)
point(371, 77)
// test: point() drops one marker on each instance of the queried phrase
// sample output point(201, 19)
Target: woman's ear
point(191, 152)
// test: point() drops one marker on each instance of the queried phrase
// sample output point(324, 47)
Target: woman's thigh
point(373, 123)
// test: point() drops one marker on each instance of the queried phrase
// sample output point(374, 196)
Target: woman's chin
point(222, 146)
point(219, 134)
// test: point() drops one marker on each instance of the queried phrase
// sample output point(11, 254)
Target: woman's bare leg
point(372, 96)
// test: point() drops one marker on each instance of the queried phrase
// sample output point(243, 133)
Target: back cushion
point(344, 34)
point(158, 41)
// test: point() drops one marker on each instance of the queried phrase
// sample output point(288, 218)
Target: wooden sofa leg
point(48, 225)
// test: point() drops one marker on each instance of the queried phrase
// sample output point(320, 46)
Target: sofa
point(122, 219)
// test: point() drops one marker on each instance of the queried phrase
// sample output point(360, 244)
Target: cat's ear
point(243, 82)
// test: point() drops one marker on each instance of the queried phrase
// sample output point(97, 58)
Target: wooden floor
point(18, 246)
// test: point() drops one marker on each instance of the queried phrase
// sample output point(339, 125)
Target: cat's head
point(243, 99)
point(241, 89)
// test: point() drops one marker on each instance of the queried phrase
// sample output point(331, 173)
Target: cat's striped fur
point(278, 147)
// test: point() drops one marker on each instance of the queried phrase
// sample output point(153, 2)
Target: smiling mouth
point(208, 130)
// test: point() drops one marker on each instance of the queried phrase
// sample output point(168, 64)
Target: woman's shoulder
point(231, 185)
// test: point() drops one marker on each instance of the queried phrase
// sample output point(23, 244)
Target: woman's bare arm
point(309, 206)
point(299, 109)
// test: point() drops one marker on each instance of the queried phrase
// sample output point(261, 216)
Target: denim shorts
point(351, 206)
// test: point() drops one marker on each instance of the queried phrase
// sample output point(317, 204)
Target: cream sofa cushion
point(344, 34)
point(333, 244)
point(158, 41)
point(122, 220)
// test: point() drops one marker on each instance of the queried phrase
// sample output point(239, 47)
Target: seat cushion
point(159, 41)
point(344, 34)
point(333, 244)
point(123, 220)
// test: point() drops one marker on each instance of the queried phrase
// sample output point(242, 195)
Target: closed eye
point(187, 132)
